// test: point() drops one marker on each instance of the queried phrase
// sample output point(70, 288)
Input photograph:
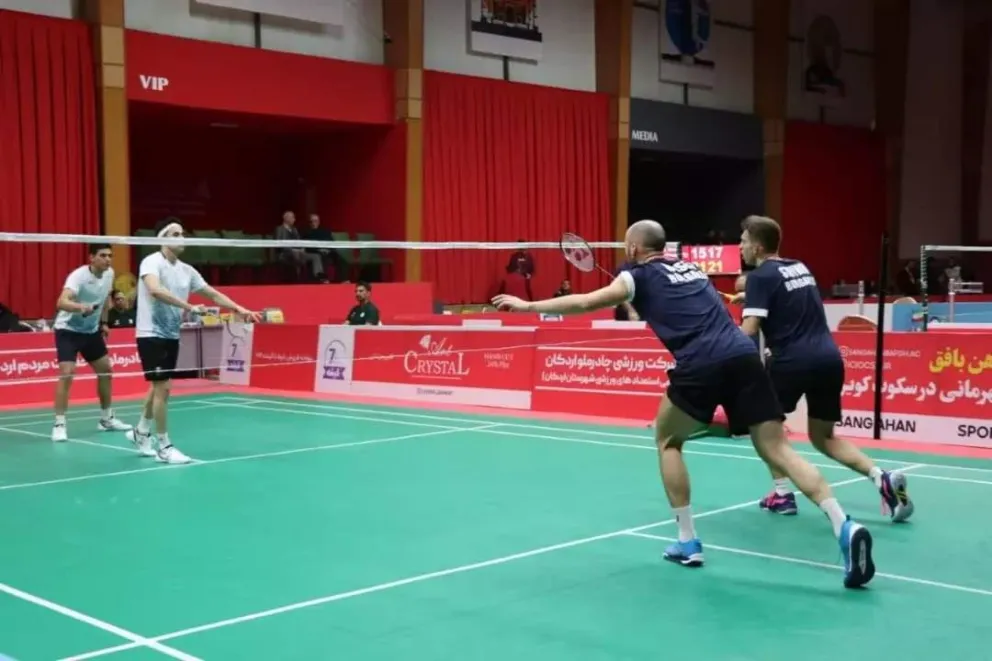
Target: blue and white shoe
point(687, 554)
point(855, 546)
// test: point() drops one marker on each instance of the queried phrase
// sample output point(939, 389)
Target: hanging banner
point(235, 367)
point(335, 353)
point(505, 28)
point(325, 12)
point(686, 55)
point(823, 53)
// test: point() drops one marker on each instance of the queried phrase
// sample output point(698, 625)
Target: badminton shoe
point(895, 496)
point(142, 442)
point(168, 454)
point(779, 504)
point(687, 554)
point(855, 546)
point(59, 433)
point(111, 423)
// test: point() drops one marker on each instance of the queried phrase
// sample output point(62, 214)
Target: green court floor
point(312, 530)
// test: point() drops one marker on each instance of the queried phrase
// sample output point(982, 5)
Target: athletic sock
point(683, 517)
point(782, 487)
point(163, 441)
point(144, 425)
point(835, 513)
point(60, 420)
point(106, 414)
point(875, 475)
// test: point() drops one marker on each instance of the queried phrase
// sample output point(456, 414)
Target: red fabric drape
point(833, 201)
point(506, 161)
point(48, 182)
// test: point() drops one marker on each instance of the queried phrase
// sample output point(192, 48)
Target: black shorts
point(740, 385)
point(821, 383)
point(69, 344)
point(158, 357)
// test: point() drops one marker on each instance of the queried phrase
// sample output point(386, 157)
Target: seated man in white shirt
point(80, 330)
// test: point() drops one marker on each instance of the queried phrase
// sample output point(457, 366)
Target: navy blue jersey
point(686, 312)
point(783, 294)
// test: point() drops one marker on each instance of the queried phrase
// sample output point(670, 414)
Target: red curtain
point(833, 201)
point(48, 182)
point(508, 161)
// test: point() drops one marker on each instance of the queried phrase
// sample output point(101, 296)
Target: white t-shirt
point(155, 318)
point(87, 289)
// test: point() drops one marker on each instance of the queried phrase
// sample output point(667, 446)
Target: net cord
point(925, 251)
point(22, 237)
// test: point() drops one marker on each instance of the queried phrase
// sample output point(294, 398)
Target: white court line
point(419, 578)
point(226, 460)
point(577, 430)
point(345, 416)
point(176, 407)
point(824, 565)
point(47, 415)
point(635, 446)
point(136, 640)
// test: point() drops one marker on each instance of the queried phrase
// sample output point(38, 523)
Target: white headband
point(168, 228)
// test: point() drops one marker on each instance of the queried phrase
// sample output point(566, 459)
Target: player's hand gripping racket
point(579, 254)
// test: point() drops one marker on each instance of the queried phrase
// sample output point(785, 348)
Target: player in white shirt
point(80, 330)
point(164, 286)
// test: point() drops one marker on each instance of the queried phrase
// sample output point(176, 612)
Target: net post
point(924, 283)
point(952, 286)
point(883, 290)
point(861, 297)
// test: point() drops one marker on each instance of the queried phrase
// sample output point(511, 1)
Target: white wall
point(569, 48)
point(985, 201)
point(931, 169)
point(358, 40)
point(58, 8)
point(733, 55)
point(854, 20)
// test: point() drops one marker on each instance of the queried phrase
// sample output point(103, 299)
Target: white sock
point(106, 414)
point(835, 513)
point(60, 420)
point(875, 475)
point(782, 487)
point(144, 425)
point(163, 441)
point(683, 516)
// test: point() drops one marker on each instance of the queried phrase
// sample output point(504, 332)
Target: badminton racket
point(579, 254)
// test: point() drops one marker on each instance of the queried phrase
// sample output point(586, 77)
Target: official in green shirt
point(365, 313)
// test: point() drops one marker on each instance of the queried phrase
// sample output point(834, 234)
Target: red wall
point(833, 200)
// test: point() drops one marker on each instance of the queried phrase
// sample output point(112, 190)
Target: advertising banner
point(484, 366)
point(283, 357)
point(235, 366)
point(335, 351)
point(936, 388)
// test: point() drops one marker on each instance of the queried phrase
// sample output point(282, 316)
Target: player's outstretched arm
point(609, 296)
point(160, 293)
point(225, 301)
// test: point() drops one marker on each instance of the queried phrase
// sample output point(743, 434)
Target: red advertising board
point(454, 364)
point(283, 356)
point(588, 371)
point(29, 368)
point(936, 386)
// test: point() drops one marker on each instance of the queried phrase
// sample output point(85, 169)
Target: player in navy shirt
point(782, 300)
point(716, 365)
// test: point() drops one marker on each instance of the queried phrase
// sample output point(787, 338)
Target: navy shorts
point(822, 383)
point(70, 344)
point(740, 385)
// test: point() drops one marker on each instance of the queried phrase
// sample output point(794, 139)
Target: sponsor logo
point(437, 359)
point(867, 422)
point(335, 356)
point(983, 432)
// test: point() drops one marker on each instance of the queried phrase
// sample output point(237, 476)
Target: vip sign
point(153, 83)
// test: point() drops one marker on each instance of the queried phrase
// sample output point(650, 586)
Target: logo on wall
point(686, 26)
point(823, 54)
point(335, 356)
point(505, 28)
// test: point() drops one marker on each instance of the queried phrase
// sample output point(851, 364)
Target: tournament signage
point(673, 127)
